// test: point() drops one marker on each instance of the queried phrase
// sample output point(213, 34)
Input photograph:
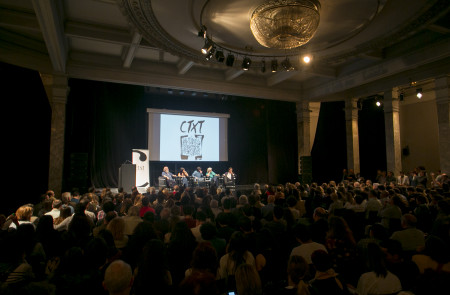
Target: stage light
point(246, 63)
point(306, 59)
point(202, 32)
point(263, 66)
point(210, 54)
point(230, 60)
point(219, 56)
point(286, 64)
point(274, 65)
point(419, 93)
point(378, 103)
point(207, 47)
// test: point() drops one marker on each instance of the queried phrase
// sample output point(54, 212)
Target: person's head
point(321, 260)
point(24, 212)
point(204, 258)
point(376, 260)
point(243, 200)
point(319, 213)
point(133, 211)
point(302, 232)
point(118, 278)
point(230, 169)
point(409, 220)
point(56, 204)
point(247, 279)
point(297, 269)
point(116, 226)
point(209, 169)
point(166, 169)
point(208, 231)
point(145, 201)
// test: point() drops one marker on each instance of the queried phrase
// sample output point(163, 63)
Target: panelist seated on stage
point(212, 176)
point(229, 177)
point(168, 176)
point(198, 173)
point(184, 176)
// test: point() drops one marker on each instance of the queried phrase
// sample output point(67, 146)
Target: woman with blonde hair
point(117, 227)
point(247, 280)
point(138, 201)
point(22, 216)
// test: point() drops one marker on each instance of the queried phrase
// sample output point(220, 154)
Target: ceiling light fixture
point(202, 32)
point(285, 24)
point(419, 93)
point(207, 47)
point(306, 59)
point(246, 63)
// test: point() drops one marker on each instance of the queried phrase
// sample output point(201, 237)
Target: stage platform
point(240, 187)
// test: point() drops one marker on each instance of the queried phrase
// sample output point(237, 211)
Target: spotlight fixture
point(419, 93)
point(306, 59)
point(210, 54)
point(286, 64)
point(202, 32)
point(274, 66)
point(263, 66)
point(219, 56)
point(246, 63)
point(207, 47)
point(378, 103)
point(230, 60)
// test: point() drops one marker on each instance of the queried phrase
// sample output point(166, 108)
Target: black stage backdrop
point(26, 119)
point(106, 121)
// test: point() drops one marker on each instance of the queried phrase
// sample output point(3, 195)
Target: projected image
point(189, 138)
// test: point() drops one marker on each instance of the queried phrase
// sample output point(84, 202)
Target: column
point(351, 128)
point(303, 131)
point(57, 89)
point(442, 88)
point(392, 130)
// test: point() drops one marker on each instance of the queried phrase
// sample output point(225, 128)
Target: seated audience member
point(118, 278)
point(199, 221)
point(204, 259)
point(406, 270)
point(152, 273)
point(199, 283)
point(117, 228)
point(65, 213)
point(326, 280)
point(22, 216)
point(56, 205)
point(378, 280)
point(307, 246)
point(410, 237)
point(236, 255)
point(267, 210)
point(319, 227)
point(145, 207)
point(131, 220)
point(247, 280)
point(209, 233)
point(297, 271)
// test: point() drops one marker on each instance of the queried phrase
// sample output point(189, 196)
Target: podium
point(127, 177)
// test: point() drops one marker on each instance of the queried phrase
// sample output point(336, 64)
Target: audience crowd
point(347, 237)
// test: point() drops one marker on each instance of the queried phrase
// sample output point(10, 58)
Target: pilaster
point(56, 87)
point(442, 89)
point(352, 136)
point(392, 130)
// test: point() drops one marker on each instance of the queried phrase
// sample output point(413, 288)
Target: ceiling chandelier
point(285, 24)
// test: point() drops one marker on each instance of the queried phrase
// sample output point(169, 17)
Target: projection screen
point(187, 136)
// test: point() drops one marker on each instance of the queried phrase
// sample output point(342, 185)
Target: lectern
point(127, 177)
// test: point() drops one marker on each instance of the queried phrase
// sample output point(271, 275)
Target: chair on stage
point(162, 183)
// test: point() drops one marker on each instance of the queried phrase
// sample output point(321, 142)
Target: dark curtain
point(26, 119)
point(108, 120)
point(329, 151)
point(372, 139)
